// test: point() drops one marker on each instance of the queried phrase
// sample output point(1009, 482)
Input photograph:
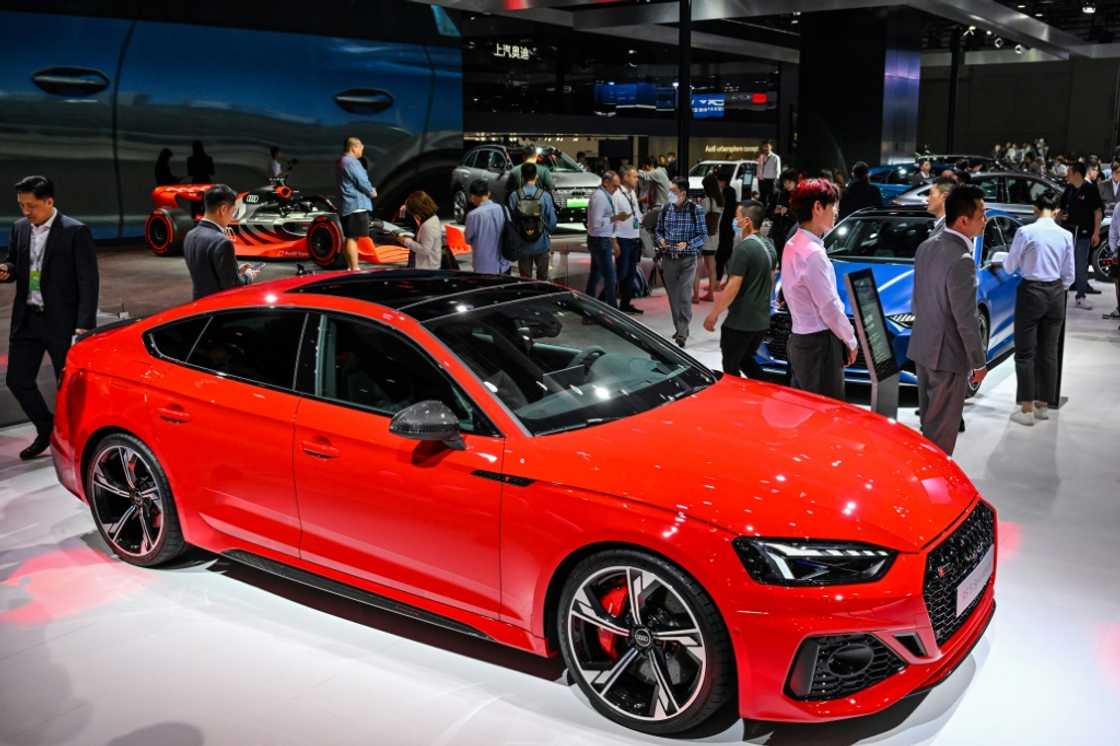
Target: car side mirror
point(429, 420)
point(997, 259)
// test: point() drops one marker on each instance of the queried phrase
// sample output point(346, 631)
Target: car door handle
point(364, 100)
point(174, 413)
point(71, 81)
point(319, 448)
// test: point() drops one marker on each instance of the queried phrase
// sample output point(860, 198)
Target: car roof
point(427, 294)
point(913, 211)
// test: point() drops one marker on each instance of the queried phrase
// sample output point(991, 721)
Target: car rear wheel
point(325, 243)
point(644, 642)
point(131, 502)
point(985, 336)
point(165, 229)
point(1101, 255)
point(459, 206)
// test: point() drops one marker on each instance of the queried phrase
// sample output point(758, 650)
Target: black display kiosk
point(874, 341)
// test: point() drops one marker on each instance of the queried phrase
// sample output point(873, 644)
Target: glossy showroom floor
point(93, 651)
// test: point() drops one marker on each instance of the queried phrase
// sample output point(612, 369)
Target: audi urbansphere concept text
point(518, 462)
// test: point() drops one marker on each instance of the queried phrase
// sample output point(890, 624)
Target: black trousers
point(25, 356)
point(738, 349)
point(765, 191)
point(1039, 312)
point(817, 363)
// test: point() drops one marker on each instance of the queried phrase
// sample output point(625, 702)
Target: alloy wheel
point(636, 643)
point(459, 206)
point(127, 500)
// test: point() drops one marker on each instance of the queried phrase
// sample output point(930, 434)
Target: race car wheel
point(324, 243)
point(985, 336)
point(644, 642)
point(459, 206)
point(131, 501)
point(165, 229)
point(1101, 260)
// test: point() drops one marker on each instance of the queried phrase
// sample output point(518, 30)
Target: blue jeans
point(1081, 266)
point(630, 253)
point(602, 265)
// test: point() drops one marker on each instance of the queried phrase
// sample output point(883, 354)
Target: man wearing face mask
point(746, 296)
point(681, 233)
point(207, 249)
point(822, 341)
point(945, 343)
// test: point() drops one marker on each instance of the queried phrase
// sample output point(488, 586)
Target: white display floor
point(94, 651)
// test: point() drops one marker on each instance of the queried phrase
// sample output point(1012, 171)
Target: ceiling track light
point(998, 42)
point(1018, 49)
point(1088, 8)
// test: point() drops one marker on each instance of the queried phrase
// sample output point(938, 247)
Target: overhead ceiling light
point(1088, 8)
point(1018, 49)
point(1021, 6)
point(998, 42)
point(988, 32)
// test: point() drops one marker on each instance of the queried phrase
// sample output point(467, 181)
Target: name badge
point(36, 275)
point(636, 223)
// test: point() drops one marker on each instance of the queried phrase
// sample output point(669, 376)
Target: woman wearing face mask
point(823, 341)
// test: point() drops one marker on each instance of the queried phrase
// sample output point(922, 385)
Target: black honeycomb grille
point(949, 563)
point(830, 681)
point(781, 326)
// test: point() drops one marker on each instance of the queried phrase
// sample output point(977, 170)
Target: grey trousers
point(678, 273)
point(816, 363)
point(941, 396)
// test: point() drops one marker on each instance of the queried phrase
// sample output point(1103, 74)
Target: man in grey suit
point(207, 249)
point(945, 343)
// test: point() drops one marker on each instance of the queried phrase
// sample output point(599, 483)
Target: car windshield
point(558, 161)
point(560, 362)
point(887, 239)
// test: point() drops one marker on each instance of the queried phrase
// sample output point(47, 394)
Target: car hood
point(894, 281)
point(574, 179)
point(759, 459)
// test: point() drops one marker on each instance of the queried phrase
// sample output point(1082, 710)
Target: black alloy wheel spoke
point(123, 492)
point(664, 702)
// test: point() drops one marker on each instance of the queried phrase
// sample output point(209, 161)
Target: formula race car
point(279, 222)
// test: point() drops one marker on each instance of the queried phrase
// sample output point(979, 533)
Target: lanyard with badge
point(36, 275)
point(633, 209)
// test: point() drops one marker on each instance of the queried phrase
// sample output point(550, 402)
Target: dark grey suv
point(493, 163)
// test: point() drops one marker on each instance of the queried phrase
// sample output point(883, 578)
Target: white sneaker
point(1083, 304)
point(1023, 418)
point(1041, 413)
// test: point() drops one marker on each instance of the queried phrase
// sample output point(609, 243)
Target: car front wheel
point(459, 206)
point(644, 642)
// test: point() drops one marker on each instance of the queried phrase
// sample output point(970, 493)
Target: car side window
point(256, 345)
point(1023, 191)
point(176, 340)
point(1008, 227)
point(497, 161)
point(990, 186)
point(993, 239)
point(471, 159)
point(364, 364)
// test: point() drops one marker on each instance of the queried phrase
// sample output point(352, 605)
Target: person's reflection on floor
point(163, 169)
point(200, 166)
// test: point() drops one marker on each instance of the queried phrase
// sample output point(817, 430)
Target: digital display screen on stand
point(874, 340)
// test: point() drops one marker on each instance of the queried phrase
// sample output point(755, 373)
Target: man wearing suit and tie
point(945, 342)
point(208, 250)
point(53, 262)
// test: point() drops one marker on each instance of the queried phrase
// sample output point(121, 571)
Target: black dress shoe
point(40, 444)
point(961, 428)
point(1093, 291)
point(631, 309)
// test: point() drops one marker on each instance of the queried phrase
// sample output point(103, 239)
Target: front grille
point(949, 563)
point(781, 326)
point(819, 673)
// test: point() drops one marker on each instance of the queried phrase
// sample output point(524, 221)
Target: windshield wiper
point(580, 425)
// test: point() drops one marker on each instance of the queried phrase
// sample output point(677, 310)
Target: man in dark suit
point(53, 262)
point(945, 342)
point(208, 250)
point(860, 193)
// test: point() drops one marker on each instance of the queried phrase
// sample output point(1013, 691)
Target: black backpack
point(526, 215)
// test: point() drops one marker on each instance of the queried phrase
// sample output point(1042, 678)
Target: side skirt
point(354, 594)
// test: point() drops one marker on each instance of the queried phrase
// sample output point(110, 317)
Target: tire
point(459, 206)
point(131, 502)
point(617, 671)
point(985, 338)
point(1101, 253)
point(325, 243)
point(165, 229)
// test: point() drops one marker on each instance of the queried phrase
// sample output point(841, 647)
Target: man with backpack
point(532, 220)
point(680, 235)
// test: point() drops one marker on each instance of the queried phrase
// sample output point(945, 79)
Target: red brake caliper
point(614, 601)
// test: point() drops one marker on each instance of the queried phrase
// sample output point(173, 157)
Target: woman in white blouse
point(428, 244)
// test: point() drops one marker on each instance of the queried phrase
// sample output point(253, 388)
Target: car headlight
point(808, 562)
point(903, 319)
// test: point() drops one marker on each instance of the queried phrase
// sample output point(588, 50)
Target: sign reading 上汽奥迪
point(512, 51)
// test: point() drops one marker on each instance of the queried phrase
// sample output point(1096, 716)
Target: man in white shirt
point(769, 166)
point(627, 233)
point(1043, 253)
point(823, 341)
point(601, 242)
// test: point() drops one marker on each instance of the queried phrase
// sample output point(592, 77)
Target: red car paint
point(682, 480)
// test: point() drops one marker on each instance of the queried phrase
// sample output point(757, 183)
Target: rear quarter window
point(176, 340)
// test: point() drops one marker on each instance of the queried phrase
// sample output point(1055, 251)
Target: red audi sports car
point(518, 462)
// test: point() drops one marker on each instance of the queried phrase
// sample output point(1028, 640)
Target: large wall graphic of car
point(885, 240)
point(493, 163)
point(118, 98)
point(516, 461)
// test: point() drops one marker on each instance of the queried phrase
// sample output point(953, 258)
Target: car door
point(495, 170)
point(223, 409)
point(996, 287)
point(411, 515)
point(57, 85)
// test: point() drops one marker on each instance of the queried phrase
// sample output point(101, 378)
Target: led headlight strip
point(810, 562)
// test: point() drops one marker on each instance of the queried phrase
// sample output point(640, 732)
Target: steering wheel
point(588, 357)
